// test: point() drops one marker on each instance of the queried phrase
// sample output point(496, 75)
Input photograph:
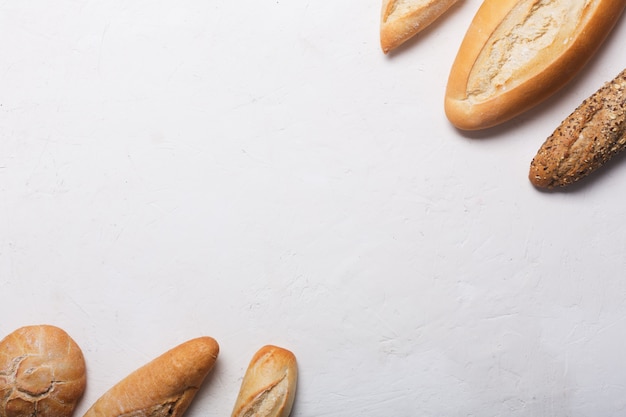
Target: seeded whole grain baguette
point(163, 387)
point(402, 19)
point(517, 53)
point(585, 140)
point(42, 373)
point(268, 388)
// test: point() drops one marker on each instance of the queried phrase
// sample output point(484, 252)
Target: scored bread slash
point(163, 387)
point(402, 19)
point(42, 373)
point(517, 53)
point(586, 140)
point(268, 388)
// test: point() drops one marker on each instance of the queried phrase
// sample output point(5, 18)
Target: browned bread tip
point(517, 53)
point(269, 386)
point(163, 387)
point(586, 140)
point(42, 373)
point(402, 19)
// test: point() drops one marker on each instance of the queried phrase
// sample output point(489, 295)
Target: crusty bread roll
point(42, 373)
point(163, 387)
point(586, 140)
point(516, 53)
point(402, 19)
point(269, 385)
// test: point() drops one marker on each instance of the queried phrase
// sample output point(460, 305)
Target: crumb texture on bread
point(42, 373)
point(398, 8)
point(402, 19)
point(523, 44)
point(269, 385)
point(585, 140)
point(269, 401)
point(517, 53)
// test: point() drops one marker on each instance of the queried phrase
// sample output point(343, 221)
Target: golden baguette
point(517, 53)
point(269, 385)
point(585, 140)
point(402, 19)
point(163, 387)
point(42, 373)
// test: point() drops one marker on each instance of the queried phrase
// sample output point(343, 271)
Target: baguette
point(269, 386)
point(585, 140)
point(516, 53)
point(163, 387)
point(42, 373)
point(402, 19)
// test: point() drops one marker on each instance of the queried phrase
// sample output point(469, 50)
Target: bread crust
point(402, 19)
point(42, 372)
point(516, 53)
point(269, 386)
point(586, 140)
point(163, 387)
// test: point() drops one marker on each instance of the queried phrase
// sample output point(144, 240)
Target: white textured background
point(260, 172)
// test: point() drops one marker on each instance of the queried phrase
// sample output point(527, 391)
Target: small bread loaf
point(585, 140)
point(516, 53)
point(163, 387)
point(269, 385)
point(402, 19)
point(42, 373)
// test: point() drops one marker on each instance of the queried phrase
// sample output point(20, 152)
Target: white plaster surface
point(258, 171)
